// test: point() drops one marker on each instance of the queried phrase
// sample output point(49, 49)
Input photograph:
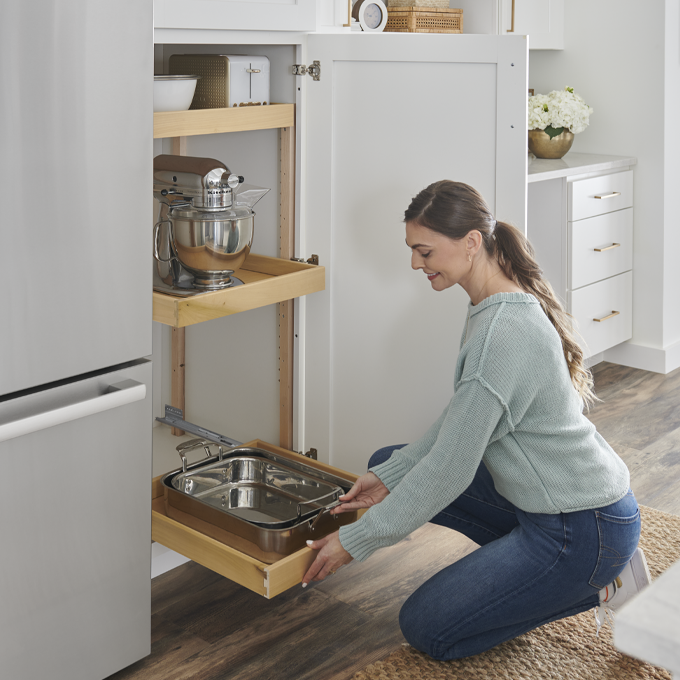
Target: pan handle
point(328, 508)
point(333, 495)
point(193, 444)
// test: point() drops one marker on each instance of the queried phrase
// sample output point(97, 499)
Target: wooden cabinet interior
point(266, 280)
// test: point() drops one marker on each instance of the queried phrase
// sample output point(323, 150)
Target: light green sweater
point(515, 408)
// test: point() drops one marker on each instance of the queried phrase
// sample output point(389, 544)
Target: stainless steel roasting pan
point(260, 503)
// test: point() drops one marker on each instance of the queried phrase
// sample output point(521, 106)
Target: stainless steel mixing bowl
point(211, 244)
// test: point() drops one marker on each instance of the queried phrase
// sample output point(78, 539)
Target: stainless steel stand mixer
point(206, 223)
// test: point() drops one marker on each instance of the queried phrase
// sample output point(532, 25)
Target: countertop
point(649, 626)
point(574, 164)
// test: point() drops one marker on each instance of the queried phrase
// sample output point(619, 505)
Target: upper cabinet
point(541, 20)
point(236, 15)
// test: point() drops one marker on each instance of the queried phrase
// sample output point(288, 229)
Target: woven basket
point(419, 3)
point(423, 20)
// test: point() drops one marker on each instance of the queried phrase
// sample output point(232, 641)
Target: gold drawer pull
point(613, 245)
point(614, 193)
point(512, 24)
point(609, 316)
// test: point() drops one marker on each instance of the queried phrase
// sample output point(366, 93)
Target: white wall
point(671, 328)
point(615, 56)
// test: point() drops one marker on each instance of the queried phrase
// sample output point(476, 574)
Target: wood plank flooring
point(205, 627)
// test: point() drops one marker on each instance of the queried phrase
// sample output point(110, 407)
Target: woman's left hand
point(330, 558)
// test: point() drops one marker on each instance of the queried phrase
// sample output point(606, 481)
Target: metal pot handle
point(192, 444)
point(334, 495)
point(156, 230)
point(328, 508)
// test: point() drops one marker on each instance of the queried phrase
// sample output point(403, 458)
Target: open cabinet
point(375, 350)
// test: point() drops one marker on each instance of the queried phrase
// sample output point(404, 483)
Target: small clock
point(371, 14)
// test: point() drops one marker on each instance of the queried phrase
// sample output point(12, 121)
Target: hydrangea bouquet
point(558, 111)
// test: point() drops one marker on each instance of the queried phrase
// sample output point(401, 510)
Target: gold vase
point(542, 146)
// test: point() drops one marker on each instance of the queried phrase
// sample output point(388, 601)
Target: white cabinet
point(375, 351)
point(236, 15)
point(389, 116)
point(580, 221)
point(541, 20)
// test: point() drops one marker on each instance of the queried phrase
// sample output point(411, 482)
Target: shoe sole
point(638, 565)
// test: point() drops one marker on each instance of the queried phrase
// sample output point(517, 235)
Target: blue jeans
point(530, 569)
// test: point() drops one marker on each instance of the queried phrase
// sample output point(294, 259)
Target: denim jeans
point(530, 569)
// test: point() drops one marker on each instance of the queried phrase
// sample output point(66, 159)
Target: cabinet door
point(260, 15)
point(541, 20)
point(391, 114)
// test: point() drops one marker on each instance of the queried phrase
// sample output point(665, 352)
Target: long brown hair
point(454, 209)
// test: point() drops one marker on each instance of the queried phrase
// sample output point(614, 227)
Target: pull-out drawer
point(599, 195)
point(600, 247)
point(604, 312)
point(187, 538)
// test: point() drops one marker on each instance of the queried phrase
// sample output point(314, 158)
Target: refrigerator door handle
point(119, 394)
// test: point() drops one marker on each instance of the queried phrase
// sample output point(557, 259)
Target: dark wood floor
point(205, 627)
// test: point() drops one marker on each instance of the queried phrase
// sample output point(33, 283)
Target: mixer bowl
point(211, 244)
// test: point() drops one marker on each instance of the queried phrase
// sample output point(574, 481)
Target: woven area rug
point(562, 650)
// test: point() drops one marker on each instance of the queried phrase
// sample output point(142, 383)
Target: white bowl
point(173, 92)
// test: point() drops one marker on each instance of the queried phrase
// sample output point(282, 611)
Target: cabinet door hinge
point(314, 259)
point(314, 70)
point(312, 453)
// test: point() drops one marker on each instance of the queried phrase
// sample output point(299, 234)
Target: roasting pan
point(263, 504)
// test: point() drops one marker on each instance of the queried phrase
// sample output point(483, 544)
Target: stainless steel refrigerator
point(75, 325)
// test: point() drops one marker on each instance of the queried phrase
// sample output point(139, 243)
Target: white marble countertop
point(648, 627)
point(574, 164)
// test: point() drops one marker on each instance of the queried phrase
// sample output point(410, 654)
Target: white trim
point(163, 559)
point(652, 359)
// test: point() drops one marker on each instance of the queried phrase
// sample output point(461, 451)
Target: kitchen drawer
point(187, 539)
point(600, 247)
point(599, 195)
point(611, 301)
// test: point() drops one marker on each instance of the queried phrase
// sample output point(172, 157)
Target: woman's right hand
point(368, 490)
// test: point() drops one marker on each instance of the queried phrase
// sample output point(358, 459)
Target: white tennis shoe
point(634, 577)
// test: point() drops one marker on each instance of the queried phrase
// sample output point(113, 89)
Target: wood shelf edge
point(216, 121)
point(204, 550)
point(179, 312)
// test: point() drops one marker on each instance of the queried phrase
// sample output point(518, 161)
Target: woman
point(512, 462)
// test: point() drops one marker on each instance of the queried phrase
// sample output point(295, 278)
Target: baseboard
point(646, 358)
point(163, 559)
point(594, 360)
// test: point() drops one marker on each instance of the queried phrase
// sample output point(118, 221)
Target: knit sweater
point(515, 408)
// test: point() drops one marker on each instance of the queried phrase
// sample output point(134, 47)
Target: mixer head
point(205, 183)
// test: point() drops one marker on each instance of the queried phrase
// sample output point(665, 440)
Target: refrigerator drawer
point(75, 527)
point(195, 539)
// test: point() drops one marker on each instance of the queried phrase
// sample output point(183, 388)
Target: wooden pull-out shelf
point(268, 580)
point(213, 121)
point(266, 280)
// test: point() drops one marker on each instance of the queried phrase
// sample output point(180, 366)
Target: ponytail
point(454, 209)
point(515, 255)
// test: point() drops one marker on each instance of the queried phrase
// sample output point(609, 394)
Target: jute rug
point(562, 650)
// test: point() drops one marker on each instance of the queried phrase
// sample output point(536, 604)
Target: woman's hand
point(330, 558)
point(368, 490)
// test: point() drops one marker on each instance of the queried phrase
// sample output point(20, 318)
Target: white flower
point(559, 109)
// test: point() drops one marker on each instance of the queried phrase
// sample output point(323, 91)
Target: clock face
point(373, 15)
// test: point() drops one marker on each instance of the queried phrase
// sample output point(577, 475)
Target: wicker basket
point(419, 3)
point(423, 20)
